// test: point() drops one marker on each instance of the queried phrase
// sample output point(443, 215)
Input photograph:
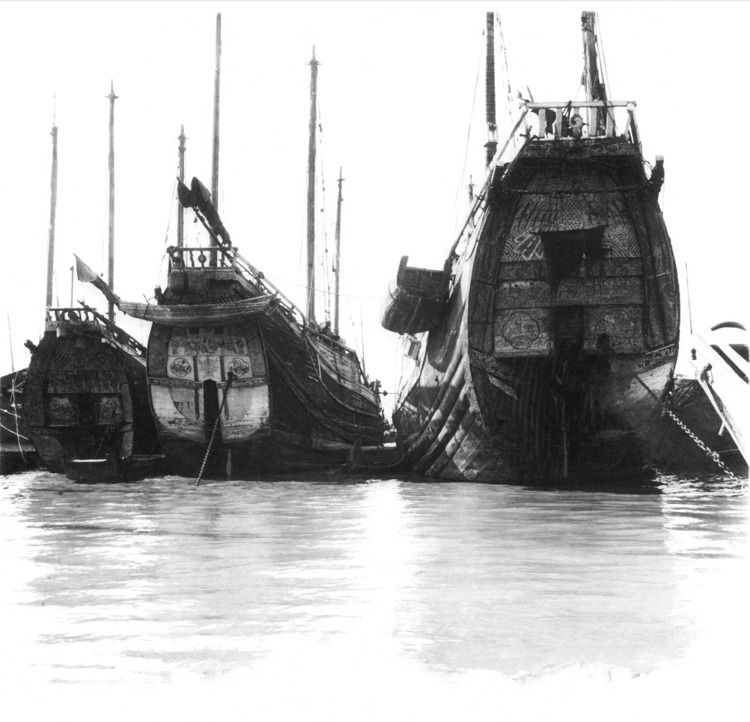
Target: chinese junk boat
point(85, 398)
point(240, 380)
point(545, 344)
point(85, 402)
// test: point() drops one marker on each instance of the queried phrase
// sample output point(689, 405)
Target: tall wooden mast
point(181, 175)
point(337, 269)
point(215, 154)
point(217, 95)
point(311, 189)
point(52, 212)
point(595, 88)
point(491, 144)
point(111, 250)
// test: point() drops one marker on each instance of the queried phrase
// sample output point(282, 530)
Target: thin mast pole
point(217, 94)
point(595, 89)
point(111, 252)
point(52, 212)
point(181, 174)
point(338, 256)
point(491, 144)
point(690, 307)
point(311, 189)
point(10, 343)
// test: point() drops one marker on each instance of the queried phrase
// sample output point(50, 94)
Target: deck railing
point(224, 256)
point(87, 316)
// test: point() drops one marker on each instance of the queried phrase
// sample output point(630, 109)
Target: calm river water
point(371, 599)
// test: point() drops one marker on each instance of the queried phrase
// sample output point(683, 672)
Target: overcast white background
point(397, 85)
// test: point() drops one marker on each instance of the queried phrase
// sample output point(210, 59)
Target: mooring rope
point(15, 414)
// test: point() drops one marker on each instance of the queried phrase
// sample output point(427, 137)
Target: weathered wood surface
point(560, 331)
point(85, 396)
point(297, 397)
point(417, 299)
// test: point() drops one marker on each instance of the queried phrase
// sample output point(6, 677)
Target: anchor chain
point(713, 455)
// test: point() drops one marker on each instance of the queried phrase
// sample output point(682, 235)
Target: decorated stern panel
point(189, 373)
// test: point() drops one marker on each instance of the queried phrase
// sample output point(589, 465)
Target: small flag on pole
point(83, 272)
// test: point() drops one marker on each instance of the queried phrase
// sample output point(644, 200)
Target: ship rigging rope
point(13, 404)
point(17, 435)
point(468, 141)
point(602, 56)
point(326, 290)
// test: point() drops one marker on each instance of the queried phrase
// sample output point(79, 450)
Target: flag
point(83, 272)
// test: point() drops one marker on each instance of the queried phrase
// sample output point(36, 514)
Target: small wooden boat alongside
point(545, 343)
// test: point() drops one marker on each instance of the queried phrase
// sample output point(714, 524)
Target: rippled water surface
point(300, 590)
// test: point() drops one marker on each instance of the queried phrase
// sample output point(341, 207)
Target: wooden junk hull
point(85, 394)
point(559, 335)
point(237, 387)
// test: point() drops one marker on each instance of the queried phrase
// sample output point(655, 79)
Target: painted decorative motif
point(204, 344)
point(239, 367)
point(61, 411)
point(521, 330)
point(181, 366)
point(620, 326)
point(658, 357)
point(108, 411)
point(620, 242)
point(82, 381)
point(525, 246)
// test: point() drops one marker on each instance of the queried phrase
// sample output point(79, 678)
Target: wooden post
point(180, 210)
point(111, 250)
point(52, 212)
point(338, 257)
point(217, 93)
point(311, 188)
point(215, 161)
point(491, 144)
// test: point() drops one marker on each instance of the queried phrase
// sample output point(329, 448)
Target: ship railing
point(585, 118)
point(225, 256)
point(560, 116)
point(87, 316)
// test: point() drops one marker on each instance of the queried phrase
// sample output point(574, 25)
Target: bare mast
point(181, 176)
point(337, 270)
point(215, 162)
point(491, 144)
point(111, 250)
point(311, 189)
point(595, 88)
point(217, 95)
point(52, 212)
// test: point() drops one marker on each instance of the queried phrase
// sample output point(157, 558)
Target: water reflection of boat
point(547, 340)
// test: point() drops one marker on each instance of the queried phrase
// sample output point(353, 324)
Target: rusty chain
point(713, 455)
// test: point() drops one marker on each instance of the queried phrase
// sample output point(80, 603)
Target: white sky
point(396, 92)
